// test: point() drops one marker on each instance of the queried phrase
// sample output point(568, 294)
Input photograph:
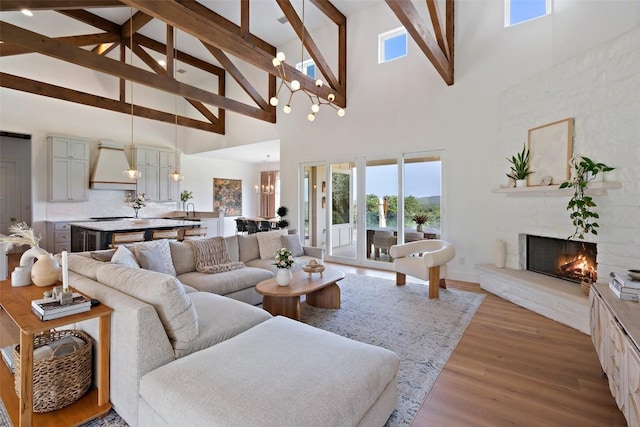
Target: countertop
point(134, 224)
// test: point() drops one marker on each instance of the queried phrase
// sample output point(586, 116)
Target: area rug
point(422, 332)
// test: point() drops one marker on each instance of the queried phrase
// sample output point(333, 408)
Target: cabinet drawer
point(62, 236)
point(58, 226)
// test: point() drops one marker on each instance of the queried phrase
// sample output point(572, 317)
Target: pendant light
point(131, 173)
point(176, 175)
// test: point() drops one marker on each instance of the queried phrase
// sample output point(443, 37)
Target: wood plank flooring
point(513, 367)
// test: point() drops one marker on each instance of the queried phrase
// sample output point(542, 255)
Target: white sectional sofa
point(184, 357)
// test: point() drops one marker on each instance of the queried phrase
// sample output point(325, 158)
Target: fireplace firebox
point(565, 259)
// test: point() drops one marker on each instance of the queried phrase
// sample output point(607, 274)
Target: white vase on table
point(283, 277)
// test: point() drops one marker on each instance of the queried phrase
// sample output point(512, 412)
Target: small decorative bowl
point(316, 268)
point(634, 274)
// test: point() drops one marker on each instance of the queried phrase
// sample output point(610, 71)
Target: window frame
point(388, 35)
point(304, 66)
point(507, 13)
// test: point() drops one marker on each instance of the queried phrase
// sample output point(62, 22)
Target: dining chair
point(165, 234)
point(252, 226)
point(241, 225)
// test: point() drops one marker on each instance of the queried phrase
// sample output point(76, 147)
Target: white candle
point(65, 272)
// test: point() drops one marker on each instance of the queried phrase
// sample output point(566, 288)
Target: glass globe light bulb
point(341, 113)
point(275, 62)
point(311, 117)
point(273, 101)
point(295, 85)
point(319, 83)
point(331, 97)
point(286, 109)
point(315, 108)
point(280, 56)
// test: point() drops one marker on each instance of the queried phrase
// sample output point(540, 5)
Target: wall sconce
point(257, 189)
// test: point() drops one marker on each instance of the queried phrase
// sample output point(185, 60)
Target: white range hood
point(110, 165)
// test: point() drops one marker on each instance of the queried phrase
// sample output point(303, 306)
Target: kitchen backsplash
point(106, 203)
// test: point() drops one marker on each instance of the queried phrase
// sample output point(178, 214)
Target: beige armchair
point(383, 240)
point(424, 259)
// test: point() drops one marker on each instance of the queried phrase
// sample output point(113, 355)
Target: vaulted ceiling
point(116, 34)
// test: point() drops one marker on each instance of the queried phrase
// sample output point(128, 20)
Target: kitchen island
point(95, 235)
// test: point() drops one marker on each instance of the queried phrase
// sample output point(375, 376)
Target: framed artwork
point(227, 196)
point(550, 149)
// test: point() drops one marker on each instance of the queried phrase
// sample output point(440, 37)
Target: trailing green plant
point(520, 165)
point(282, 212)
point(582, 207)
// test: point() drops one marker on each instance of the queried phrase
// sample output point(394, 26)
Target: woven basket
point(57, 381)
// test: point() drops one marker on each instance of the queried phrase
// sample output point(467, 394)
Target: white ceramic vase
point(521, 183)
point(500, 253)
point(283, 277)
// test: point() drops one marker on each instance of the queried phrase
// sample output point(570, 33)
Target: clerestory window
point(517, 11)
point(392, 45)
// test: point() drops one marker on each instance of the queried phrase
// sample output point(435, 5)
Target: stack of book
point(625, 287)
point(48, 308)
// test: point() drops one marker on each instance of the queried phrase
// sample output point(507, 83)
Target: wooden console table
point(16, 304)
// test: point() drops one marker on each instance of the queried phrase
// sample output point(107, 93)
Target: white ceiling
point(252, 153)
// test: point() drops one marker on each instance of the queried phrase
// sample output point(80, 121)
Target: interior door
point(9, 195)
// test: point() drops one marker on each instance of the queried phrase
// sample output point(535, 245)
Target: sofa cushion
point(164, 292)
point(165, 252)
point(227, 282)
point(184, 260)
point(268, 243)
point(292, 241)
point(248, 247)
point(124, 256)
point(221, 318)
point(278, 373)
point(232, 247)
point(152, 258)
point(84, 265)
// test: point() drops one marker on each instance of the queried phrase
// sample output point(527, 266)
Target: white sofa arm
point(314, 252)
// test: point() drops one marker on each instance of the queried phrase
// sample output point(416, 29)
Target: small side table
point(16, 302)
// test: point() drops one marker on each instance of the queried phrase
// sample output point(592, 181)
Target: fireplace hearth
point(565, 259)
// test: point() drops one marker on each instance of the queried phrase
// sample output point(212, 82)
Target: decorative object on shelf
point(582, 207)
point(131, 173)
point(46, 271)
point(546, 180)
point(284, 261)
point(282, 212)
point(185, 196)
point(520, 167)
point(138, 202)
point(500, 253)
point(175, 175)
point(550, 147)
point(420, 219)
point(295, 86)
point(22, 235)
point(313, 267)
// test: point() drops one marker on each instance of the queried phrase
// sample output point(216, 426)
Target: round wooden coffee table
point(321, 291)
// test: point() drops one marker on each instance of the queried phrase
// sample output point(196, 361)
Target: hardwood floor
point(513, 367)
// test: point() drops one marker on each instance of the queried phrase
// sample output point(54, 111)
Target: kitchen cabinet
point(58, 236)
point(156, 165)
point(68, 169)
point(615, 332)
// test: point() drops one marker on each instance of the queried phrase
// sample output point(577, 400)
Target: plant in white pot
point(582, 207)
point(520, 167)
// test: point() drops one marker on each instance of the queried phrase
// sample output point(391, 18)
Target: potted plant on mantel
point(520, 167)
point(582, 207)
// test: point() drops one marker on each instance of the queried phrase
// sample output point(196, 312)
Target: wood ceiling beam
point(52, 91)
point(309, 43)
point(450, 25)
point(245, 10)
point(78, 56)
point(12, 5)
point(326, 7)
point(193, 22)
point(93, 20)
point(432, 7)
point(330, 11)
point(415, 26)
point(7, 49)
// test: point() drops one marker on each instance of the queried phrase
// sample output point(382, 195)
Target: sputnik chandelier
point(294, 85)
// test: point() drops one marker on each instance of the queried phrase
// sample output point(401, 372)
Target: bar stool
point(118, 239)
point(165, 234)
point(194, 233)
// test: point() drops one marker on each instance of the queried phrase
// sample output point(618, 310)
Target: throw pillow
point(292, 242)
point(104, 255)
point(124, 256)
point(150, 258)
point(212, 256)
point(165, 253)
point(269, 242)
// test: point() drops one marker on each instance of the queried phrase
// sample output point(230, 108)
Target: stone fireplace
point(569, 260)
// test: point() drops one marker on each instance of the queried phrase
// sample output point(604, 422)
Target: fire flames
point(580, 268)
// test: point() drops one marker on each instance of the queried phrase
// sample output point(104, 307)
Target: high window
point(308, 67)
point(392, 45)
point(517, 11)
